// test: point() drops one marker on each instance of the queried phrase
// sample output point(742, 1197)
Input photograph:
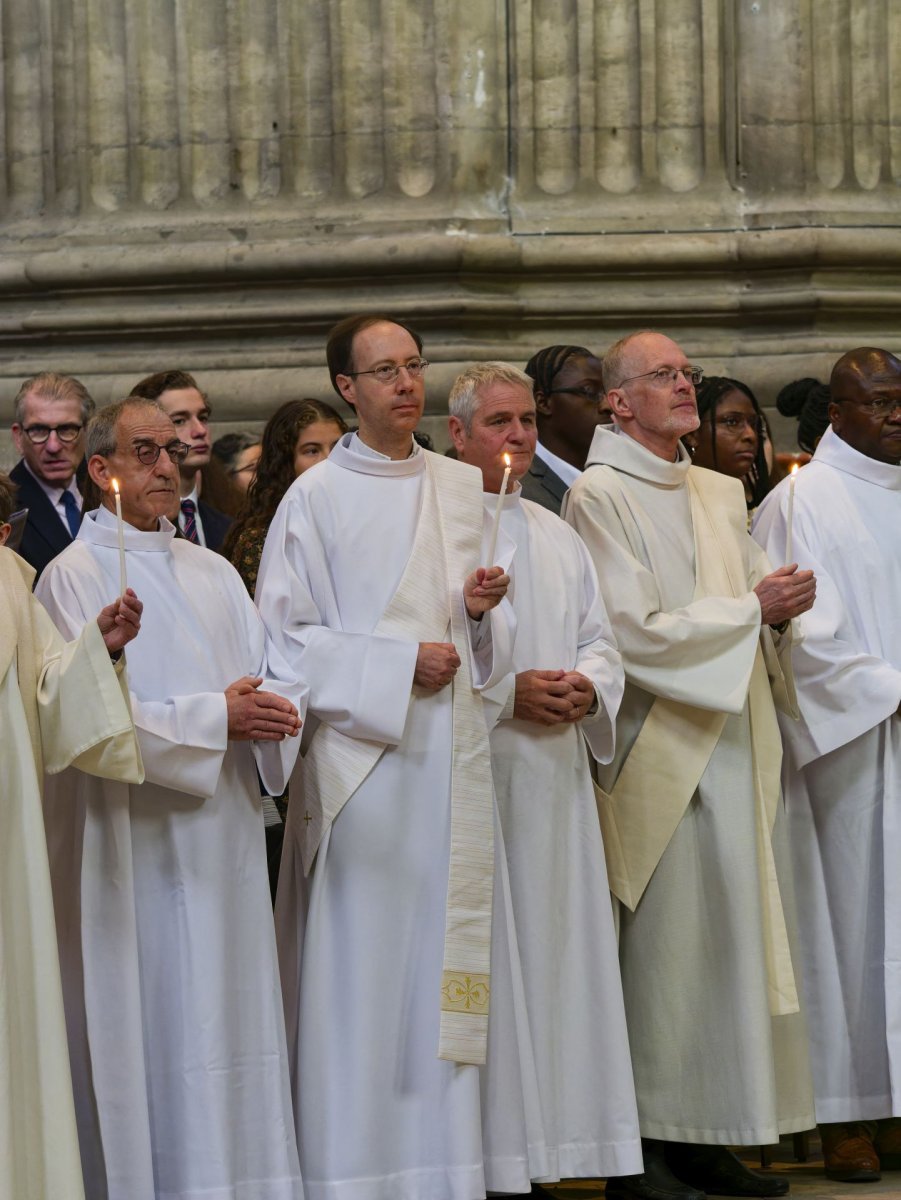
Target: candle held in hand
point(492, 544)
point(123, 583)
point(789, 547)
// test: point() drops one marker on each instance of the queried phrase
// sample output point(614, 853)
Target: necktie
point(72, 512)
point(188, 509)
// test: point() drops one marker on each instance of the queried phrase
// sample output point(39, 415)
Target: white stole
point(429, 596)
point(670, 755)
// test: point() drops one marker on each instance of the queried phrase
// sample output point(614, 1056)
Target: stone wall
point(212, 183)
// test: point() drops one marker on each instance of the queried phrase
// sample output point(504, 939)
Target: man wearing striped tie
point(49, 417)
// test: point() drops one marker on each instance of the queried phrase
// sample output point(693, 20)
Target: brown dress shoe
point(888, 1143)
point(849, 1153)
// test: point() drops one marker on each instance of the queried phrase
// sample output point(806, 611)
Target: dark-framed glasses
point(149, 452)
point(388, 372)
point(38, 434)
point(881, 406)
point(666, 376)
point(735, 422)
point(591, 395)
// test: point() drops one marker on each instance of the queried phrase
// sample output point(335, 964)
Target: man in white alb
point(173, 1006)
point(690, 809)
point(397, 982)
point(567, 686)
point(843, 763)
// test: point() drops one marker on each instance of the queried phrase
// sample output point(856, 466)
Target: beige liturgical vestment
point(60, 704)
point(690, 806)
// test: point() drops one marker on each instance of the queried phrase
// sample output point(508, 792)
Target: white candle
point(492, 544)
point(123, 584)
point(788, 521)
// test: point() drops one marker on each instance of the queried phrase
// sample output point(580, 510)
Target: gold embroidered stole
point(671, 753)
point(429, 597)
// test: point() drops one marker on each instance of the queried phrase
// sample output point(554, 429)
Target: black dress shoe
point(716, 1170)
point(657, 1182)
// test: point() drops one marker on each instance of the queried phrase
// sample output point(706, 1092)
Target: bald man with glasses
point(49, 416)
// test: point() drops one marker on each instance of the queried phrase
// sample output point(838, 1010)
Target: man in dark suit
point(181, 399)
point(49, 417)
point(570, 404)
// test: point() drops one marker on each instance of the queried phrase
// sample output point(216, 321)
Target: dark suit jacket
point(215, 525)
point(544, 486)
point(45, 534)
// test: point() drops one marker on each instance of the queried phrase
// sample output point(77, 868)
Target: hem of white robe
point(856, 1108)
point(766, 1135)
point(286, 1188)
point(424, 1183)
point(592, 1160)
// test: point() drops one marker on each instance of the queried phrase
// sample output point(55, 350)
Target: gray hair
point(49, 385)
point(613, 364)
point(463, 401)
point(101, 433)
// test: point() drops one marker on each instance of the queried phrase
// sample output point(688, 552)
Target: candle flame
point(794, 469)
point(506, 460)
point(115, 483)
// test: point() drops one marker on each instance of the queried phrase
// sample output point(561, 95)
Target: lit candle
point(122, 581)
point(492, 545)
point(791, 509)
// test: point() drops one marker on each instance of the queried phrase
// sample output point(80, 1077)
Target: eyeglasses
point(390, 371)
point(592, 395)
point(734, 422)
point(882, 406)
point(668, 375)
point(148, 453)
point(39, 434)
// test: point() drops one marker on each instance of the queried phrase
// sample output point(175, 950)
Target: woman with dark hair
point(807, 400)
point(238, 454)
point(731, 436)
point(297, 436)
point(570, 404)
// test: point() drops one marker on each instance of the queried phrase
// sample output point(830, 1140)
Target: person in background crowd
point(202, 521)
point(569, 395)
point(730, 438)
point(49, 416)
point(7, 506)
point(807, 400)
point(238, 453)
point(297, 436)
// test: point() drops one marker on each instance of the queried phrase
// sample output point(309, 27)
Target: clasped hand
point(552, 697)
point(785, 594)
point(255, 716)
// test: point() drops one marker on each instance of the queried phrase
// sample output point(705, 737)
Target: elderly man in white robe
point(566, 685)
point(59, 704)
point(690, 805)
point(843, 764)
point(397, 982)
point(170, 979)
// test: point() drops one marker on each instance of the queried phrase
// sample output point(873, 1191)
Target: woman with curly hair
point(731, 437)
point(297, 436)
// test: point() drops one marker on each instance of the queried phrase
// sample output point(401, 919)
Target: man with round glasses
point(570, 404)
point(690, 806)
point(843, 768)
point(398, 983)
point(49, 416)
point(168, 956)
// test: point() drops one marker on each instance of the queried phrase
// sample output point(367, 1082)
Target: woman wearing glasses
point(731, 438)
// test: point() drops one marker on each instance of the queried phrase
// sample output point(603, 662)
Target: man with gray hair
point(49, 416)
point(565, 685)
point(691, 809)
point(176, 1030)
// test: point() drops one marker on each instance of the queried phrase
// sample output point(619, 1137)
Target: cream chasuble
point(842, 772)
point(690, 805)
point(59, 704)
point(365, 558)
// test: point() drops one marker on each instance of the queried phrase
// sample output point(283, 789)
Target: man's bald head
point(865, 403)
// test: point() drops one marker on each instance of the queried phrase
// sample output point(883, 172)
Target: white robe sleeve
point(843, 690)
point(700, 654)
point(183, 739)
point(358, 683)
point(600, 661)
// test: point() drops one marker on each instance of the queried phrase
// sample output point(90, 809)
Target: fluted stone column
point(212, 183)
